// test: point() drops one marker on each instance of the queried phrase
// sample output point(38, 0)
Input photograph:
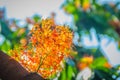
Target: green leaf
point(98, 62)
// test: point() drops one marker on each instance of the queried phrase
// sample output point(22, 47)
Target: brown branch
point(12, 70)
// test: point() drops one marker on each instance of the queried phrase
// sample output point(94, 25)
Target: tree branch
point(12, 70)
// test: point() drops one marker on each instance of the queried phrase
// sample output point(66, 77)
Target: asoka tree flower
point(85, 62)
point(86, 5)
point(47, 46)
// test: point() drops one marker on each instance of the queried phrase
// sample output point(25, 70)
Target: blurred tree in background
point(90, 63)
point(14, 31)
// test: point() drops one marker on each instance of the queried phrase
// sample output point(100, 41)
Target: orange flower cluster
point(85, 62)
point(107, 65)
point(86, 5)
point(46, 48)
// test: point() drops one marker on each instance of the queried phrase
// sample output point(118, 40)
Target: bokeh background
point(96, 27)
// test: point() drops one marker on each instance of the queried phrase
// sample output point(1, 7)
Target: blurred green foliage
point(88, 14)
point(105, 19)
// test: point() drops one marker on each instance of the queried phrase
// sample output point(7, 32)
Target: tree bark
point(12, 70)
